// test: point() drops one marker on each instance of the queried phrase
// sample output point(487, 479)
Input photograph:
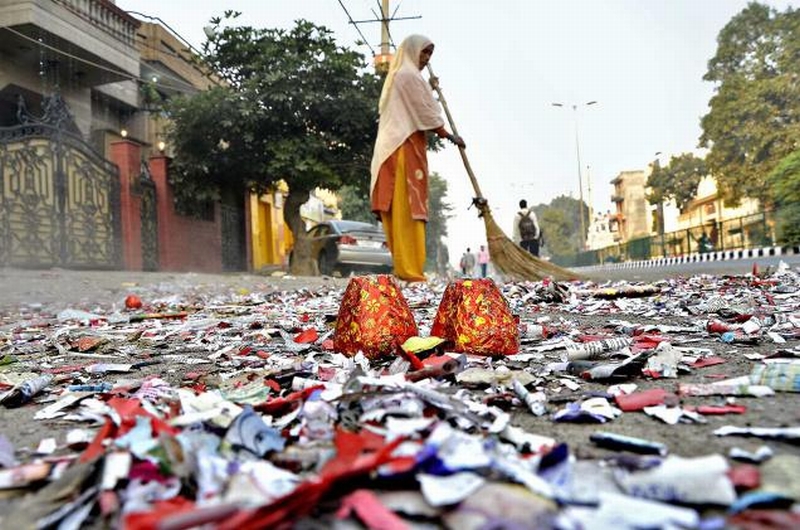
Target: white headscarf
point(406, 103)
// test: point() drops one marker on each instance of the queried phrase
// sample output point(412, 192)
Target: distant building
point(600, 233)
point(631, 219)
point(728, 227)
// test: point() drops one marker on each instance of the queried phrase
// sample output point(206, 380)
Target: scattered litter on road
point(457, 405)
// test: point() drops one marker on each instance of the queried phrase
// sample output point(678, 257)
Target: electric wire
point(178, 35)
point(121, 73)
point(363, 38)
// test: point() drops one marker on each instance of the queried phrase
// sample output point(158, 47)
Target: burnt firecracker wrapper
point(374, 318)
point(474, 318)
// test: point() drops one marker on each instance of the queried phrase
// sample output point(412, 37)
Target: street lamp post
point(580, 177)
point(656, 168)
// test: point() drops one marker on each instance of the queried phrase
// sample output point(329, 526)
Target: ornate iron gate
point(59, 200)
point(149, 219)
point(233, 242)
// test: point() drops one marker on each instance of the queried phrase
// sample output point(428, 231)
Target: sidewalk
point(720, 255)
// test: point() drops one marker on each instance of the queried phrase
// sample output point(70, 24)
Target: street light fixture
point(580, 177)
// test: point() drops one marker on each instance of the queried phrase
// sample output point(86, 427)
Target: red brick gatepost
point(184, 243)
point(127, 155)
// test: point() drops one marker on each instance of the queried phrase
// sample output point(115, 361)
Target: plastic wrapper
point(597, 349)
point(685, 480)
point(374, 318)
point(502, 506)
point(23, 393)
point(474, 318)
point(623, 511)
point(248, 431)
point(791, 434)
point(619, 442)
point(782, 375)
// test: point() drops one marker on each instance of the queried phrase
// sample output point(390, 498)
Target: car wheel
point(324, 264)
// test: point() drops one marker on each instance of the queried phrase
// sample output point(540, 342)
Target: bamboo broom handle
point(461, 150)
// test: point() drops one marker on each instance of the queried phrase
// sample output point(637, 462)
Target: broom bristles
point(516, 262)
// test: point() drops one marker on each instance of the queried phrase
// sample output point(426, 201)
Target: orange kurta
point(414, 172)
point(400, 197)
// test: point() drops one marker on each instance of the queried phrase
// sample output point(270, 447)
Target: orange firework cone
point(474, 318)
point(374, 318)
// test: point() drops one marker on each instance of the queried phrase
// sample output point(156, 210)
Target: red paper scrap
point(357, 454)
point(720, 409)
point(765, 519)
point(708, 361)
point(370, 511)
point(650, 337)
point(307, 336)
point(326, 373)
point(283, 405)
point(745, 476)
point(416, 364)
point(128, 409)
point(436, 360)
point(640, 400)
point(88, 343)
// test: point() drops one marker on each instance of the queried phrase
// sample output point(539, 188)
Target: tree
point(678, 180)
point(436, 227)
point(354, 204)
point(785, 180)
point(295, 106)
point(754, 117)
point(560, 224)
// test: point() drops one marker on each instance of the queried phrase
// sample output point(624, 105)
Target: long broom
point(511, 259)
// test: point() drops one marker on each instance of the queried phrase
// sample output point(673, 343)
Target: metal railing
point(105, 16)
point(750, 231)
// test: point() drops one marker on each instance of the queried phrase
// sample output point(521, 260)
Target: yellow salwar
point(404, 235)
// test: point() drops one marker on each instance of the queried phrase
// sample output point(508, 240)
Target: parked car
point(340, 245)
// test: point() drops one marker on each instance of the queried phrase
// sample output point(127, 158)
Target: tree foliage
point(436, 229)
point(294, 106)
point(354, 204)
point(754, 117)
point(560, 224)
point(785, 180)
point(678, 180)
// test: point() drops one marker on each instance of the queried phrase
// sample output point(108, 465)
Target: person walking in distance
point(467, 263)
point(526, 228)
point(399, 170)
point(483, 260)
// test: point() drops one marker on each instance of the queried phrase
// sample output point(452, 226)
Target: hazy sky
point(502, 64)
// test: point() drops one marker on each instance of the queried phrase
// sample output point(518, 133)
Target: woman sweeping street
point(399, 172)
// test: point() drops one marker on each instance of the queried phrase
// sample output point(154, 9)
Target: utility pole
point(656, 167)
point(580, 182)
point(581, 214)
point(383, 60)
point(589, 188)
